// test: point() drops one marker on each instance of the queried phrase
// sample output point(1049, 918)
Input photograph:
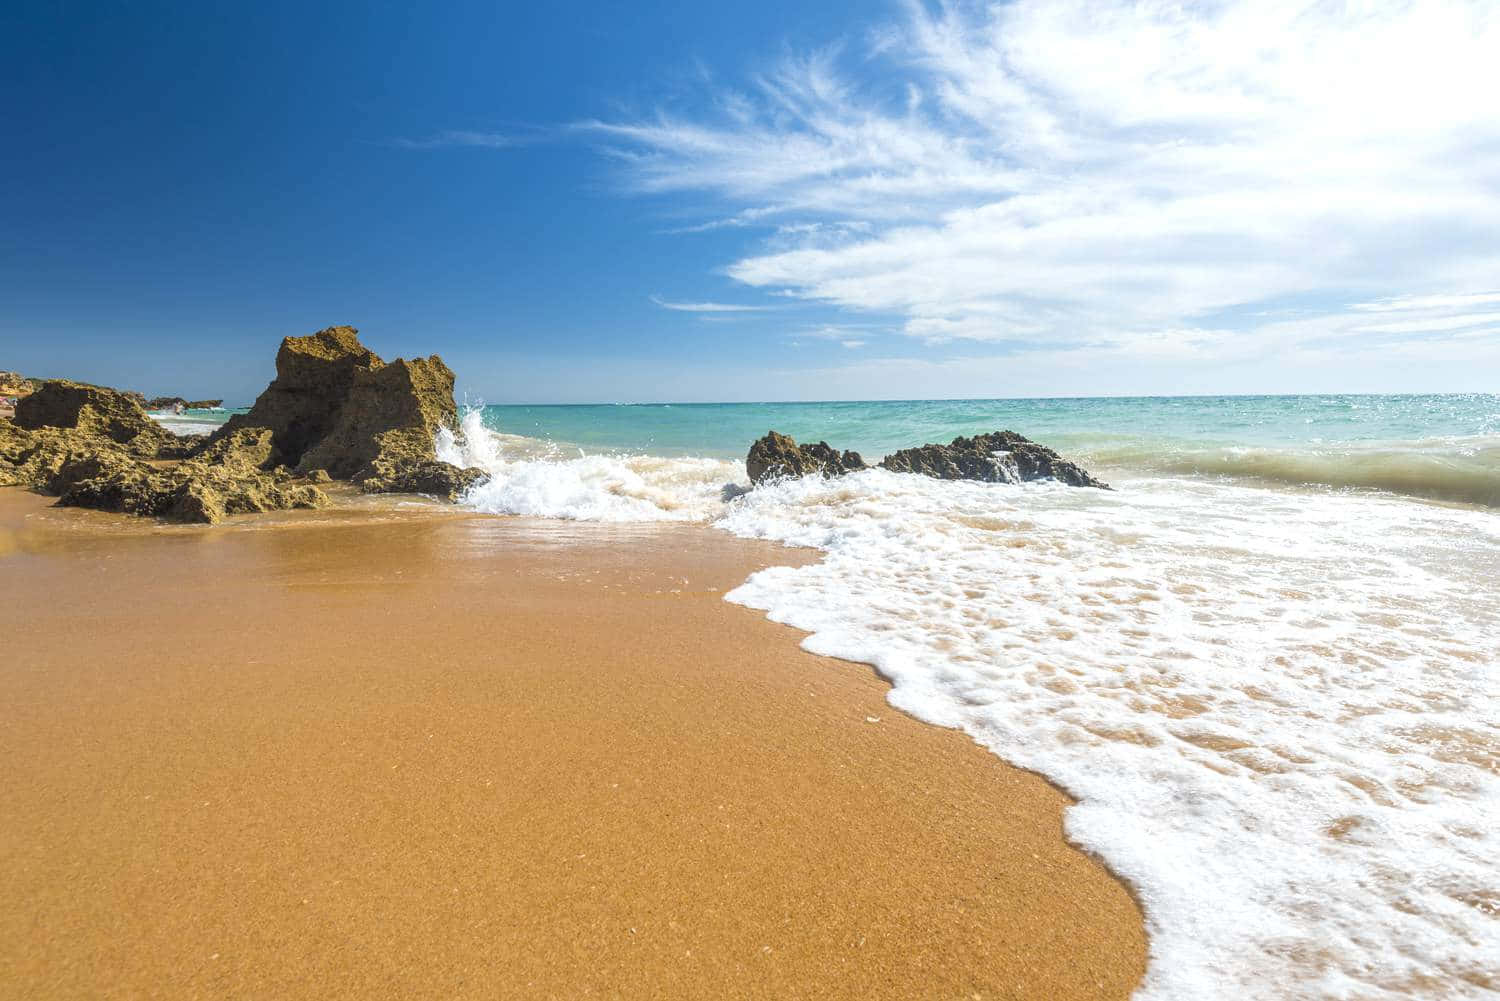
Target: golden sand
point(394, 752)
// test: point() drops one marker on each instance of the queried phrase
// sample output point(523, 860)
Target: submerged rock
point(778, 455)
point(1000, 457)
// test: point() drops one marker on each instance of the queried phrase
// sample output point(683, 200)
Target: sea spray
point(1277, 710)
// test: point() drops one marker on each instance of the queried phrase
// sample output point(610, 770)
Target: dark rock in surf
point(1000, 457)
point(172, 402)
point(777, 455)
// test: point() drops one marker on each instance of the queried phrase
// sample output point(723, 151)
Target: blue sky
point(674, 201)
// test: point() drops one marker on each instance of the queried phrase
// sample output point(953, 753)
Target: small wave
point(1464, 471)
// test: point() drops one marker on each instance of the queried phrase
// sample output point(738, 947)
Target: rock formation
point(334, 411)
point(171, 402)
point(777, 455)
point(1000, 457)
point(94, 411)
point(335, 406)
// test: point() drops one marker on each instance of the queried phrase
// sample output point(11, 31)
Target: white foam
point(535, 478)
point(1278, 711)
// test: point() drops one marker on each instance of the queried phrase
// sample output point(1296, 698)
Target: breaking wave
point(1463, 471)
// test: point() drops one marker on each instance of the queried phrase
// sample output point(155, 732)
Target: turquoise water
point(1441, 447)
point(725, 430)
point(1436, 447)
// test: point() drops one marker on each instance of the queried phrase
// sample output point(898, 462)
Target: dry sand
point(392, 752)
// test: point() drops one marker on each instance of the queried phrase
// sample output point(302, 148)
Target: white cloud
point(707, 307)
point(460, 137)
point(1133, 177)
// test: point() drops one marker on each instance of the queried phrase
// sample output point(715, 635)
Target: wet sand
point(392, 752)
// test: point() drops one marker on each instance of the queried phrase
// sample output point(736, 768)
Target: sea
point(1266, 664)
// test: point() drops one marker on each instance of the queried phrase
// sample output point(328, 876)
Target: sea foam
point(1277, 710)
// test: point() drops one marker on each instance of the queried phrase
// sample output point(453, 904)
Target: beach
point(396, 749)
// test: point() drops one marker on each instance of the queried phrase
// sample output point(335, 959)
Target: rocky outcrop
point(93, 411)
point(334, 411)
point(84, 469)
point(172, 402)
point(15, 382)
point(335, 406)
point(1000, 457)
point(195, 491)
point(314, 375)
point(430, 476)
point(777, 455)
point(392, 414)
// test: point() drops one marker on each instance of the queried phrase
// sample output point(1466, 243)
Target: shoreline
point(341, 751)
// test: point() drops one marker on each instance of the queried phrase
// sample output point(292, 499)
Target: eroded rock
point(429, 476)
point(999, 457)
point(777, 455)
point(334, 410)
point(393, 413)
point(314, 375)
point(171, 402)
point(93, 411)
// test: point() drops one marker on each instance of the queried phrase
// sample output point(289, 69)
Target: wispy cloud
point(708, 307)
point(1118, 177)
point(459, 137)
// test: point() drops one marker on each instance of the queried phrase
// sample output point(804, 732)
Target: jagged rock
point(335, 406)
point(1000, 457)
point(192, 492)
point(334, 409)
point(89, 470)
point(92, 410)
point(51, 459)
point(778, 455)
point(314, 375)
point(181, 446)
point(427, 476)
point(169, 402)
point(394, 412)
point(228, 477)
point(243, 450)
